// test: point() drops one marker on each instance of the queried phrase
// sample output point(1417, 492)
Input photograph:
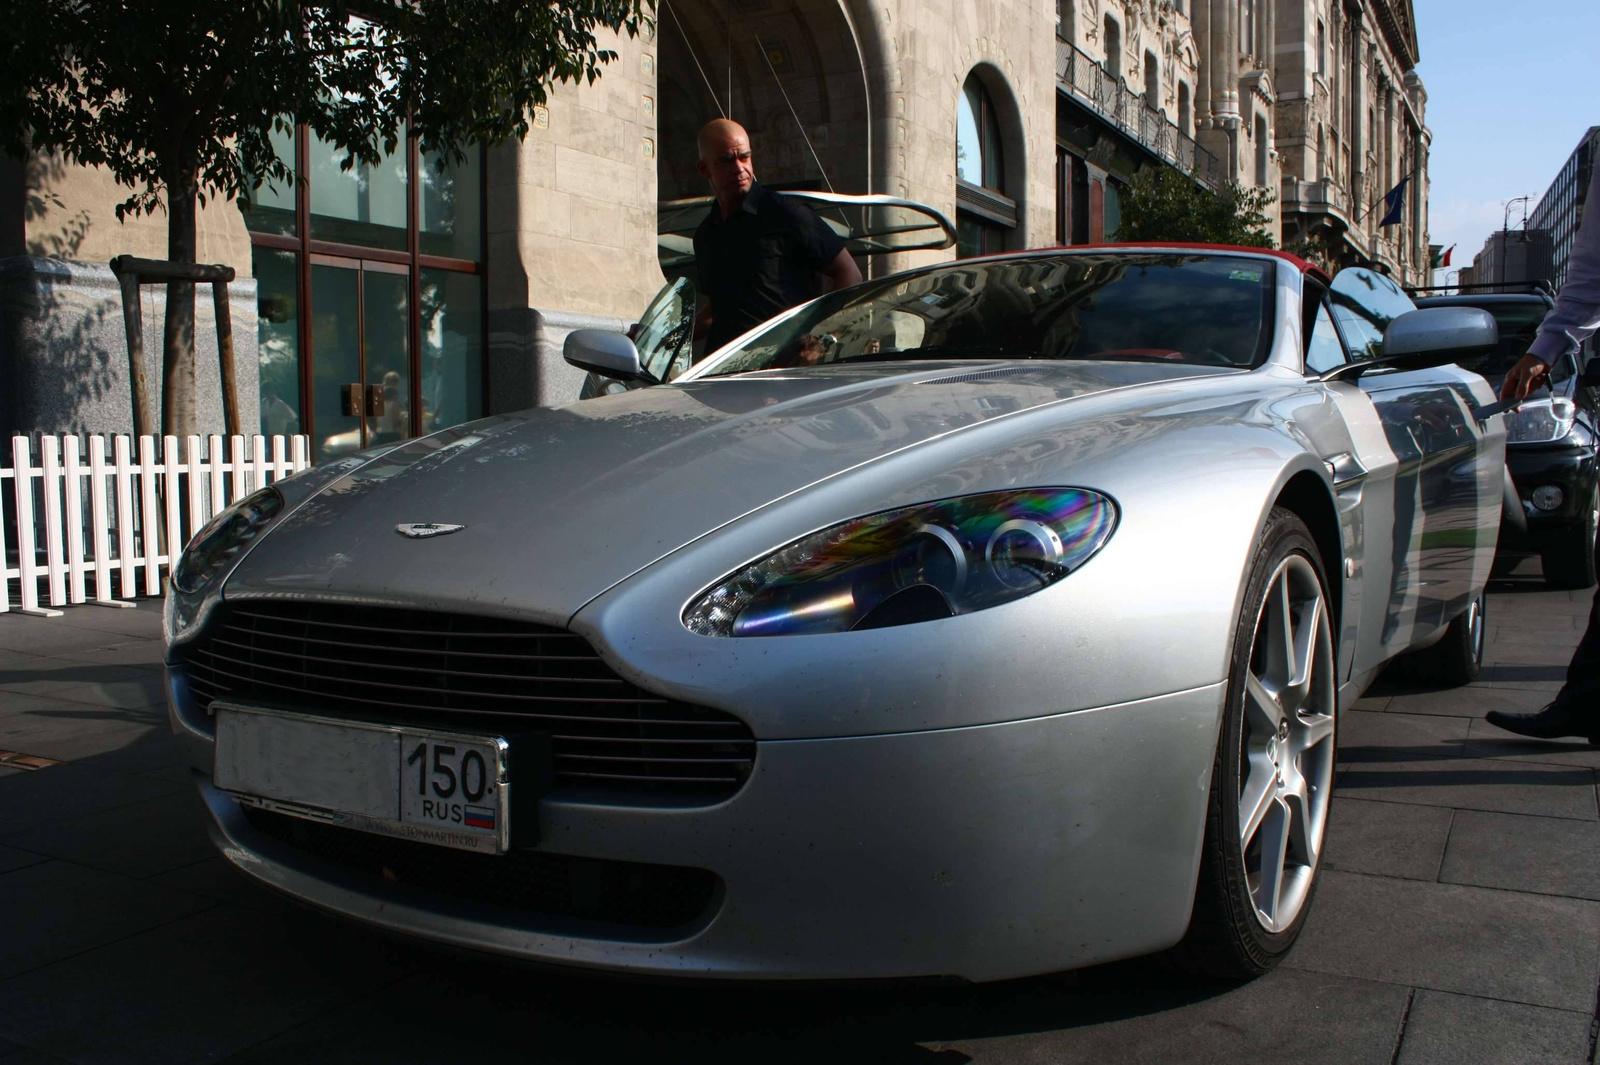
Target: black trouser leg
point(1582, 690)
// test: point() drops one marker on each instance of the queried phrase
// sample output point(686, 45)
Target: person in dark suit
point(758, 252)
point(1574, 318)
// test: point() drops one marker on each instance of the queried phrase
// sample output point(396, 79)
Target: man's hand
point(1528, 374)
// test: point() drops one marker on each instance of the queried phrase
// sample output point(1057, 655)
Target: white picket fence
point(119, 523)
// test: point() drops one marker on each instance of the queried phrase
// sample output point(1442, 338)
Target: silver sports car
point(983, 620)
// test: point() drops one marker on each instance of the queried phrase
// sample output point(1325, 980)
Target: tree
point(178, 99)
point(1164, 204)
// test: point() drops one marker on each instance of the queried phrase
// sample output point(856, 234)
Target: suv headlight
point(918, 563)
point(223, 538)
point(1540, 421)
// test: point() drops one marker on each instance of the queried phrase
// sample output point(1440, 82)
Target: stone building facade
point(436, 296)
point(1350, 124)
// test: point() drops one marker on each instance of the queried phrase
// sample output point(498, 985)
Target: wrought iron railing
point(1086, 80)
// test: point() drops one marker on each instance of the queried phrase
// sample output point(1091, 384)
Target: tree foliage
point(177, 99)
point(1164, 204)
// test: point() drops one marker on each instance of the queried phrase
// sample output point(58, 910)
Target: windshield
point(1214, 310)
point(1519, 324)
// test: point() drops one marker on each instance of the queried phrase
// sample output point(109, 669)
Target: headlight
point(919, 563)
point(223, 538)
point(1540, 421)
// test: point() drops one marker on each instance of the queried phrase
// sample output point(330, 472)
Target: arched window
point(985, 213)
point(978, 155)
point(1152, 82)
point(1067, 20)
point(1184, 117)
point(1113, 35)
point(1261, 150)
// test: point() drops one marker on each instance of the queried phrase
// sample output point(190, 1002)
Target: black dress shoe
point(1551, 723)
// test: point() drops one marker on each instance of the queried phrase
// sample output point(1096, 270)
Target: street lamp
point(1505, 228)
point(1453, 282)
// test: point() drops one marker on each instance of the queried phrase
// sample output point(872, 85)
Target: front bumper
point(982, 853)
point(1573, 469)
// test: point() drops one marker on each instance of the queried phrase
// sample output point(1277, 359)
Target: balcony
point(1110, 98)
point(1323, 196)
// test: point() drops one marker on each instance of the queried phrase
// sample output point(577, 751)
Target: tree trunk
point(178, 417)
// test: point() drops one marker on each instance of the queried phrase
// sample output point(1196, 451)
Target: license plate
point(422, 784)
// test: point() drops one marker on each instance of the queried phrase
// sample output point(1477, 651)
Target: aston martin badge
point(426, 529)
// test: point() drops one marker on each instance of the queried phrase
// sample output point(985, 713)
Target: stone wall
point(571, 226)
point(69, 212)
point(64, 350)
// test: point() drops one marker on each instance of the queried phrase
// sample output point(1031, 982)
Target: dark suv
point(1550, 442)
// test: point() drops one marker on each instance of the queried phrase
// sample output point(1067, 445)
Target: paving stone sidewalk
point(1457, 920)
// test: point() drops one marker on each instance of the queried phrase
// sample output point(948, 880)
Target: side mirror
point(605, 353)
point(1432, 336)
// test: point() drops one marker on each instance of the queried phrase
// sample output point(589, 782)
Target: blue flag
point(1394, 201)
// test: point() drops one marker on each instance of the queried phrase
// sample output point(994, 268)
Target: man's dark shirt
point(759, 261)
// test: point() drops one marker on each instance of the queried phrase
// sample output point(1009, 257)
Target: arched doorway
point(765, 64)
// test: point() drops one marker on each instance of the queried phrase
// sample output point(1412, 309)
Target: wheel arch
point(1309, 498)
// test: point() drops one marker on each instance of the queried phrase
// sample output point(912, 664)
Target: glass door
point(360, 354)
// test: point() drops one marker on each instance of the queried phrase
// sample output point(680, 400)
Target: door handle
point(350, 400)
point(374, 401)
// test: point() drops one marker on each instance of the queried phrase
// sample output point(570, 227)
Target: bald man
point(758, 252)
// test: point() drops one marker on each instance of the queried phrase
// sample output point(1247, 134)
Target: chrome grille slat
point(530, 715)
point(628, 758)
point(420, 668)
point(411, 687)
point(623, 776)
point(552, 634)
point(219, 641)
point(408, 650)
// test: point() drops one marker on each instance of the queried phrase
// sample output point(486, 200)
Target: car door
point(1446, 488)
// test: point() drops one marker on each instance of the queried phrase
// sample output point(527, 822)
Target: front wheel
point(1273, 778)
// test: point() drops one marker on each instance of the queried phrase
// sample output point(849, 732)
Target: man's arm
point(843, 271)
point(1576, 315)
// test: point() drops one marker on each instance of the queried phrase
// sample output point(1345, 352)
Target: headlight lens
point(1540, 421)
point(916, 563)
point(223, 538)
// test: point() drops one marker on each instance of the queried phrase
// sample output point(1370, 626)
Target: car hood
point(559, 504)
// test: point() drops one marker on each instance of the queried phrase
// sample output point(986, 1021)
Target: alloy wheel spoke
point(1298, 686)
point(1281, 665)
point(1274, 854)
point(1258, 798)
point(1310, 730)
point(1303, 834)
point(1262, 709)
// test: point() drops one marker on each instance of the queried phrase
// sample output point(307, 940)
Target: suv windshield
point(1519, 324)
point(1214, 310)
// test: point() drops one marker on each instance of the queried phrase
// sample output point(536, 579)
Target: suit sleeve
point(1576, 315)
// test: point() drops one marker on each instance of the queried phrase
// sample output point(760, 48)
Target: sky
point(1511, 89)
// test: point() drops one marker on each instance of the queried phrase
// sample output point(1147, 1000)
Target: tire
point(1457, 659)
point(1272, 781)
point(1570, 563)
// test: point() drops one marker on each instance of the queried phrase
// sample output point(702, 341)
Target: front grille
point(595, 889)
point(472, 674)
